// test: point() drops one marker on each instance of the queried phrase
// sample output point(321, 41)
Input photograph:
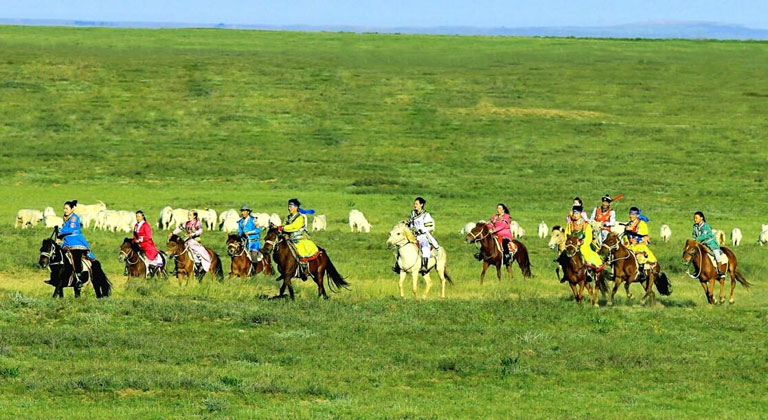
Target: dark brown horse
point(491, 254)
point(695, 254)
point(576, 273)
point(626, 268)
point(135, 261)
point(242, 266)
point(185, 265)
point(283, 254)
point(60, 263)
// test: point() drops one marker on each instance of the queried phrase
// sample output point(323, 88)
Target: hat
point(577, 209)
point(245, 207)
point(607, 198)
point(294, 202)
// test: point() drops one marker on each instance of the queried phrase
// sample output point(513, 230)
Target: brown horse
point(696, 254)
point(185, 265)
point(242, 266)
point(626, 268)
point(283, 253)
point(576, 273)
point(135, 261)
point(491, 254)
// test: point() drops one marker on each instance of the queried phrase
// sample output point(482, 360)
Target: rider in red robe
point(142, 235)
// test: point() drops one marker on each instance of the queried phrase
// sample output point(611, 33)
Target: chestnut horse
point(491, 254)
point(288, 266)
point(696, 254)
point(242, 266)
point(136, 262)
point(576, 273)
point(185, 265)
point(626, 268)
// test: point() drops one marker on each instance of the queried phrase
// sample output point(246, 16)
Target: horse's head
point(234, 245)
point(572, 244)
point(478, 232)
point(125, 249)
point(557, 240)
point(399, 235)
point(690, 250)
point(610, 245)
point(271, 237)
point(175, 245)
point(47, 253)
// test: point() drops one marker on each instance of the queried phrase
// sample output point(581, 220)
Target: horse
point(491, 254)
point(136, 262)
point(575, 272)
point(694, 254)
point(185, 265)
point(408, 258)
point(626, 268)
point(557, 240)
point(284, 254)
point(60, 263)
point(242, 266)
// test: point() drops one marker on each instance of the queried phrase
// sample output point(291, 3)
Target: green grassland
point(209, 118)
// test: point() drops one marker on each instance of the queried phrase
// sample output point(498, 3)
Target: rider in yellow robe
point(637, 234)
point(296, 225)
point(577, 225)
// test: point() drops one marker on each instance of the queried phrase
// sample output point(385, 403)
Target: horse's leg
point(616, 283)
point(319, 279)
point(626, 289)
point(428, 280)
point(498, 271)
point(400, 283)
point(711, 288)
point(573, 290)
point(441, 274)
point(592, 294)
point(722, 286)
point(649, 289)
point(482, 275)
point(733, 285)
point(415, 276)
point(287, 282)
point(703, 284)
point(509, 271)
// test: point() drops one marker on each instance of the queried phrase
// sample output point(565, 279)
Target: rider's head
point(633, 213)
point(418, 203)
point(140, 215)
point(577, 202)
point(501, 208)
point(245, 210)
point(293, 205)
point(607, 201)
point(576, 212)
point(698, 217)
point(69, 207)
point(192, 214)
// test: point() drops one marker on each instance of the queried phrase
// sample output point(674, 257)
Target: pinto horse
point(242, 266)
point(59, 261)
point(136, 263)
point(576, 272)
point(491, 254)
point(185, 264)
point(626, 268)
point(695, 254)
point(283, 254)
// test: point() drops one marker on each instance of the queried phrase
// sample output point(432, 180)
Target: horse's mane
point(233, 236)
point(407, 232)
point(175, 238)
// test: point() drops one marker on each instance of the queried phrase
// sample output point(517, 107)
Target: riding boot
point(479, 256)
point(49, 281)
point(507, 258)
point(424, 265)
point(396, 268)
point(125, 270)
point(720, 274)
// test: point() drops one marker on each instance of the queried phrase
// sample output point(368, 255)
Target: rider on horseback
point(638, 237)
point(194, 230)
point(702, 233)
point(499, 226)
point(249, 230)
point(296, 226)
point(579, 226)
point(422, 225)
point(142, 235)
point(576, 202)
point(72, 239)
point(605, 216)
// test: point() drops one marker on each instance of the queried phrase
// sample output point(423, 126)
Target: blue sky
point(388, 13)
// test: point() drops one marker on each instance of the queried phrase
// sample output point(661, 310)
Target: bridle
point(476, 237)
point(612, 249)
point(688, 263)
point(126, 257)
point(233, 247)
point(49, 255)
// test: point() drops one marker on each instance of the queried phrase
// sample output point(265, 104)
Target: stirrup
point(396, 269)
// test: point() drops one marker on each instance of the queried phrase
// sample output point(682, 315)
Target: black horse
point(59, 262)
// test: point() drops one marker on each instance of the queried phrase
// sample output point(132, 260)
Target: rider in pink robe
point(194, 230)
point(499, 226)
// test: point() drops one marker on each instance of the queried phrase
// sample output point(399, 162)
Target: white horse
point(409, 259)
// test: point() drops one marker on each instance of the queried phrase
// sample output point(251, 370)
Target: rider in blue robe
point(249, 229)
point(71, 236)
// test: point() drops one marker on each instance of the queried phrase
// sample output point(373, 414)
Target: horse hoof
point(731, 302)
point(610, 303)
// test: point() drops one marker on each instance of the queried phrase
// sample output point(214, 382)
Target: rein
point(127, 257)
point(688, 264)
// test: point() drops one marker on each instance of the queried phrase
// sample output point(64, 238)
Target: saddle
point(87, 267)
point(711, 255)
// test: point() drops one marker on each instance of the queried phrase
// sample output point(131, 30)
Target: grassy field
point(208, 118)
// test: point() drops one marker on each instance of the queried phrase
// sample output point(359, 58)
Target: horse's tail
point(101, 284)
point(521, 256)
point(662, 284)
point(337, 280)
point(739, 276)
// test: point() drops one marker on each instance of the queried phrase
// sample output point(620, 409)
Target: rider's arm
point(294, 226)
point(612, 220)
point(705, 233)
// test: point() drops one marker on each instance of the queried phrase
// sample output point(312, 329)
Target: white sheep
point(357, 220)
point(543, 230)
point(665, 233)
point(165, 219)
point(763, 238)
point(26, 217)
point(736, 237)
point(319, 222)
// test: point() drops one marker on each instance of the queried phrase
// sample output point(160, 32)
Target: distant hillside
point(650, 30)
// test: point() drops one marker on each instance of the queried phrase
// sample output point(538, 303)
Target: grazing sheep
point(223, 215)
point(275, 219)
point(516, 229)
point(262, 219)
point(127, 220)
point(543, 230)
point(179, 218)
point(467, 228)
point(207, 217)
point(108, 220)
point(229, 220)
point(736, 237)
point(53, 221)
point(89, 212)
point(763, 238)
point(358, 220)
point(165, 219)
point(48, 211)
point(665, 233)
point(720, 236)
point(319, 223)
point(28, 217)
